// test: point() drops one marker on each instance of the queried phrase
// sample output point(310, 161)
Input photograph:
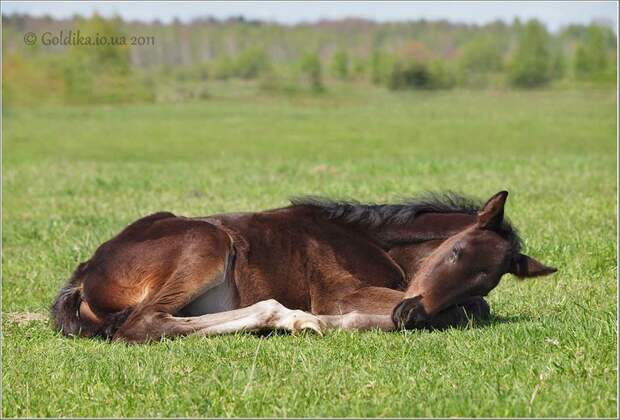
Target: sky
point(554, 13)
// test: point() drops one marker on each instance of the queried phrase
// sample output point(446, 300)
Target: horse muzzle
point(410, 314)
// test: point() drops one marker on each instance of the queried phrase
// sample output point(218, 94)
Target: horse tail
point(65, 311)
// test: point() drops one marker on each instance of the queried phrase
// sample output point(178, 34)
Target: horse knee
point(268, 310)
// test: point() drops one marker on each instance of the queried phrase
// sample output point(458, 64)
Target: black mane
point(376, 215)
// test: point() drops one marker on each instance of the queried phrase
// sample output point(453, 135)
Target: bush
point(441, 75)
point(31, 80)
point(197, 72)
point(416, 75)
point(249, 64)
point(278, 80)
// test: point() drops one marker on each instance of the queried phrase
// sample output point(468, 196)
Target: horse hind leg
point(196, 272)
point(267, 314)
point(203, 265)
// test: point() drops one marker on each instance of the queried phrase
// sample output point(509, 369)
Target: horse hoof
point(410, 314)
point(309, 326)
point(302, 321)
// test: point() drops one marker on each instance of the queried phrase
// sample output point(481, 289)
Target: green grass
point(74, 176)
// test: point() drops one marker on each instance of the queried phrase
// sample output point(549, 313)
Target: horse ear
point(524, 266)
point(492, 213)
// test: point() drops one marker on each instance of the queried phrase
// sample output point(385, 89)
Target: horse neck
point(425, 227)
point(411, 243)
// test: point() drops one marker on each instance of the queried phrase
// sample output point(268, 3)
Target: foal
point(313, 265)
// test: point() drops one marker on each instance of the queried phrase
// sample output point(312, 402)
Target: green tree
point(482, 55)
point(111, 54)
point(591, 55)
point(311, 69)
point(251, 63)
point(358, 67)
point(377, 75)
point(381, 67)
point(558, 64)
point(101, 71)
point(531, 64)
point(340, 65)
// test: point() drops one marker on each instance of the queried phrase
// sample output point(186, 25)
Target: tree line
point(187, 57)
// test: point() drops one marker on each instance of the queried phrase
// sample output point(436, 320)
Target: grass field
point(74, 176)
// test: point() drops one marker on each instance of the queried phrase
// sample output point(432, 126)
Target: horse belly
point(220, 298)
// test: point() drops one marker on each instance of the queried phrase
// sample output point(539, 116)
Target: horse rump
point(67, 315)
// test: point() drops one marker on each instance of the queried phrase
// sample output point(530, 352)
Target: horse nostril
point(410, 314)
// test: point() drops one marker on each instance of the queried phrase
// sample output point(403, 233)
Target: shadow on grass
point(499, 319)
point(486, 323)
point(492, 321)
point(267, 334)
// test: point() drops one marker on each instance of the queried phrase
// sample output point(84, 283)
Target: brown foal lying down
point(313, 265)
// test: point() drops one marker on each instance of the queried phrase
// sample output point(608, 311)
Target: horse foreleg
point(358, 321)
point(371, 308)
point(365, 309)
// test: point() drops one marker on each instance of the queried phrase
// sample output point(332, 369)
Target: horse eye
point(454, 254)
